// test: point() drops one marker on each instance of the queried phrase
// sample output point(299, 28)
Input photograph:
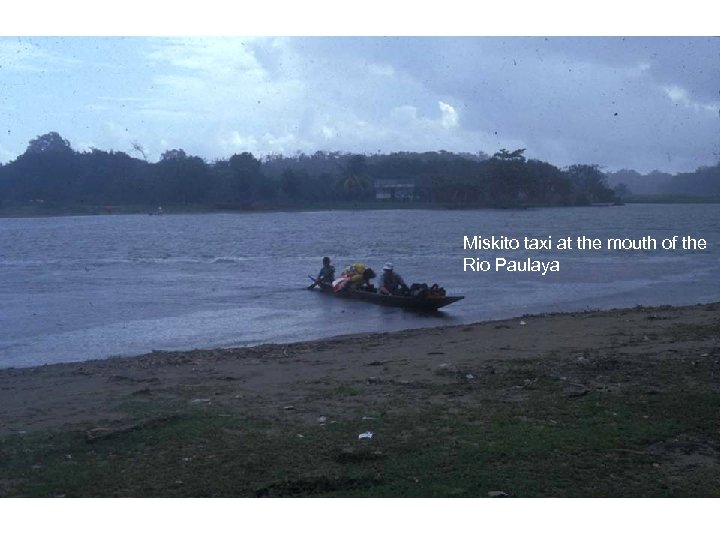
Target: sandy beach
point(435, 388)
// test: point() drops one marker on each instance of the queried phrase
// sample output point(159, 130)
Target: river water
point(77, 288)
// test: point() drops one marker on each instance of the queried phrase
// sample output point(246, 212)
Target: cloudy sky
point(642, 103)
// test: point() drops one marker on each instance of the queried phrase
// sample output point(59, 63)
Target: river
point(78, 288)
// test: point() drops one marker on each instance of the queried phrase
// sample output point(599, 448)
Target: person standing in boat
point(391, 282)
point(327, 273)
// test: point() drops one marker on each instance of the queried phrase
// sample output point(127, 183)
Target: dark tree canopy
point(175, 154)
point(506, 155)
point(52, 172)
point(590, 181)
point(50, 142)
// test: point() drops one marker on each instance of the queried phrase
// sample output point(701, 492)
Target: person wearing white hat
point(390, 281)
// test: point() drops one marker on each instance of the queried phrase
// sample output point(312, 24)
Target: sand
point(618, 350)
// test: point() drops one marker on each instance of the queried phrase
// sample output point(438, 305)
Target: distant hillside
point(704, 181)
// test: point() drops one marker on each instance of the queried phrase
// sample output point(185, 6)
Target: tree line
point(703, 181)
point(52, 173)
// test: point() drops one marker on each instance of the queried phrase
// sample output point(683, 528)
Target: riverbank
point(615, 403)
point(45, 211)
point(677, 198)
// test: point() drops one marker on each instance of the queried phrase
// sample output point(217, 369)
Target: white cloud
point(22, 55)
point(449, 115)
point(405, 114)
point(681, 96)
point(213, 55)
point(608, 101)
point(383, 70)
point(6, 155)
point(267, 143)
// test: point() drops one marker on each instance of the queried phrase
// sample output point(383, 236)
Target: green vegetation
point(636, 418)
point(594, 447)
point(52, 178)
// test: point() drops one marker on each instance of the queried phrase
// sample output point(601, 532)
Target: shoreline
point(170, 357)
point(119, 210)
point(21, 213)
point(285, 344)
point(630, 382)
point(352, 335)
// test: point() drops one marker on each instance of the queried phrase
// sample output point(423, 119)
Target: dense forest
point(50, 173)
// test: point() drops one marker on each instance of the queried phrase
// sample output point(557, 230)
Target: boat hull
point(406, 302)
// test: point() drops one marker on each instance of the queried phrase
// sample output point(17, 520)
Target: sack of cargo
point(436, 291)
point(419, 290)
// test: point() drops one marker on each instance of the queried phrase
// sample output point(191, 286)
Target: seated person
point(391, 282)
point(368, 274)
point(327, 273)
